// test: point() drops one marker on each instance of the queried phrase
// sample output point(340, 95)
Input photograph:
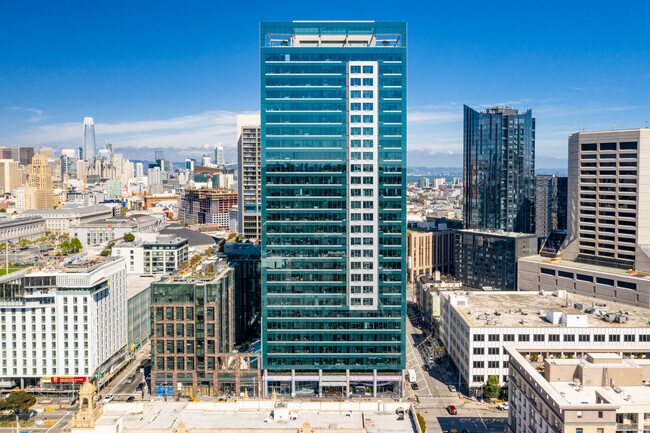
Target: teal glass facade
point(499, 170)
point(333, 119)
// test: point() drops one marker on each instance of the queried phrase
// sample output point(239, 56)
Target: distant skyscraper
point(249, 215)
point(89, 140)
point(218, 157)
point(333, 119)
point(499, 170)
point(40, 177)
point(25, 155)
point(159, 155)
point(139, 169)
point(550, 204)
point(189, 164)
point(206, 161)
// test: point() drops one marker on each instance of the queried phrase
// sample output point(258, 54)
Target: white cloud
point(38, 114)
point(182, 136)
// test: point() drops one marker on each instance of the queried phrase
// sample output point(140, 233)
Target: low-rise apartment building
point(593, 392)
point(161, 255)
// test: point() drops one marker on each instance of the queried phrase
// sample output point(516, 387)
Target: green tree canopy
point(104, 253)
point(18, 401)
point(129, 237)
point(491, 389)
point(75, 244)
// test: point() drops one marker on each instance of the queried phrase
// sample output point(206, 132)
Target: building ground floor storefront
point(236, 375)
point(342, 384)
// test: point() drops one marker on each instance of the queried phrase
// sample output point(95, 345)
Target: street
point(433, 394)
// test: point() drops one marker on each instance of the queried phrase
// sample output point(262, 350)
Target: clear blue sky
point(173, 75)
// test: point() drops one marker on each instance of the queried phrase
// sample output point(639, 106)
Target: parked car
point(452, 410)
point(452, 388)
point(414, 386)
point(465, 431)
point(503, 406)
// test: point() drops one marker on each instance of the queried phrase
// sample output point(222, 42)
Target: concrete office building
point(66, 320)
point(550, 204)
point(424, 182)
point(428, 289)
point(151, 257)
point(10, 175)
point(499, 170)
point(430, 251)
point(605, 252)
point(25, 197)
point(13, 230)
point(333, 121)
point(59, 221)
point(595, 392)
point(489, 259)
point(249, 216)
point(476, 326)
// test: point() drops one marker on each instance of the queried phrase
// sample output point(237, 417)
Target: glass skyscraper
point(499, 170)
point(333, 129)
point(89, 140)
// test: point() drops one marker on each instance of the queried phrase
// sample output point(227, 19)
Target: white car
point(503, 406)
point(108, 398)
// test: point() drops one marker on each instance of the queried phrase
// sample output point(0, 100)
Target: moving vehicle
point(108, 398)
point(503, 406)
point(411, 377)
point(452, 388)
point(130, 399)
point(130, 379)
point(452, 410)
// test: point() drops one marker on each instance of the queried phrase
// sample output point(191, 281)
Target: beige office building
point(10, 176)
point(428, 252)
point(590, 392)
point(40, 177)
point(606, 253)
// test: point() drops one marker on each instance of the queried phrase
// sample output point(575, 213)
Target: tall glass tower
point(333, 131)
point(89, 140)
point(499, 170)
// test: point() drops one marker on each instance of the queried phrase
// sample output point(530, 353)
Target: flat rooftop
point(509, 309)
point(569, 264)
point(630, 398)
point(135, 285)
point(230, 417)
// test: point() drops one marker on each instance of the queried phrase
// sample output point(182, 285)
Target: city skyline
point(166, 95)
